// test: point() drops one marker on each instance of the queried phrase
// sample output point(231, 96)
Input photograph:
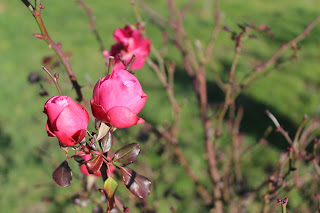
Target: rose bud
point(84, 169)
point(67, 120)
point(117, 99)
point(129, 42)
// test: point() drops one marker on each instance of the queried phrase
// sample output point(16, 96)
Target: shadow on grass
point(7, 159)
point(255, 120)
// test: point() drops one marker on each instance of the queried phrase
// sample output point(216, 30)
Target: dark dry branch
point(57, 48)
point(273, 59)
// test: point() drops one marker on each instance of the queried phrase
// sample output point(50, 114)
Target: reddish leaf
point(137, 184)
point(94, 166)
point(63, 174)
point(127, 154)
point(106, 142)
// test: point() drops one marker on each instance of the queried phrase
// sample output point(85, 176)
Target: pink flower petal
point(99, 112)
point(122, 117)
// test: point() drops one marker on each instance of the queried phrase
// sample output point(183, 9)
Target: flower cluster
point(129, 42)
point(116, 101)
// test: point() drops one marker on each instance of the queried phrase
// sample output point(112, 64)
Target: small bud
point(43, 93)
point(41, 6)
point(37, 35)
point(56, 75)
point(253, 36)
point(59, 45)
point(33, 78)
point(262, 28)
point(226, 28)
point(279, 201)
point(242, 27)
point(46, 60)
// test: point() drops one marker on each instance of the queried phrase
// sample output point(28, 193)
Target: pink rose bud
point(117, 99)
point(129, 42)
point(67, 120)
point(84, 169)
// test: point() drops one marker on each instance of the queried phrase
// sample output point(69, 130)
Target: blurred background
point(28, 157)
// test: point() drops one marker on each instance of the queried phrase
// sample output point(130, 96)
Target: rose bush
point(117, 99)
point(129, 42)
point(84, 169)
point(67, 120)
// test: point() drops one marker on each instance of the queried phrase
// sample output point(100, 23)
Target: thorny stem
point(259, 69)
point(214, 33)
point(198, 75)
point(37, 6)
point(236, 145)
point(298, 133)
point(230, 87)
point(198, 78)
point(284, 203)
point(54, 78)
point(57, 48)
point(279, 127)
point(284, 208)
point(171, 136)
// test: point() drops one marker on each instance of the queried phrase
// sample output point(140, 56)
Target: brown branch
point(215, 32)
point(58, 50)
point(297, 39)
point(260, 68)
point(198, 75)
point(64, 59)
point(279, 127)
point(182, 159)
point(213, 169)
point(171, 135)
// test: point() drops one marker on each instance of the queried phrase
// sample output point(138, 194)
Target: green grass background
point(28, 156)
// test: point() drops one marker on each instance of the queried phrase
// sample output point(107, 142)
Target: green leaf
point(137, 184)
point(110, 186)
point(127, 154)
point(63, 174)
